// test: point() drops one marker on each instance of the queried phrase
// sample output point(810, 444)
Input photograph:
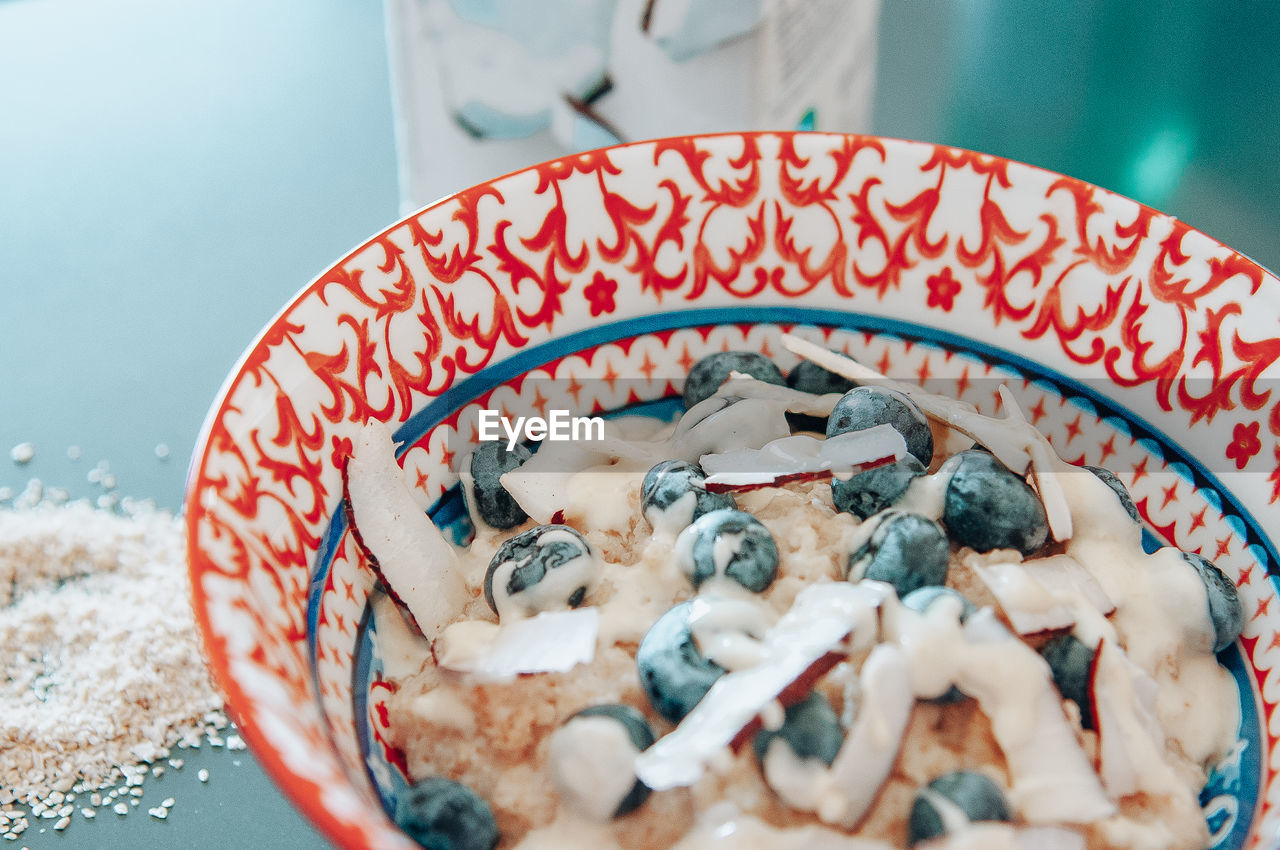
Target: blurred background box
point(482, 87)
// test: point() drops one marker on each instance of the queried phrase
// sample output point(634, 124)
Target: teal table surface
point(172, 173)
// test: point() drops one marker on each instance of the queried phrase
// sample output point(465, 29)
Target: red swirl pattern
point(1163, 320)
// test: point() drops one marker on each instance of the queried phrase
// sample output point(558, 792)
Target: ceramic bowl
point(1134, 342)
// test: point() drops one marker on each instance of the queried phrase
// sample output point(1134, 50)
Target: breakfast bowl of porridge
point(758, 490)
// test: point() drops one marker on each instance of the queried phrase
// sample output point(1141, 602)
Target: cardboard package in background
point(485, 87)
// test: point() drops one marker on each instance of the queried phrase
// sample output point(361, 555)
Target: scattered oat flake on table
point(103, 667)
point(23, 452)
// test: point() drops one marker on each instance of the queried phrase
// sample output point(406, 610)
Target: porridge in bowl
point(842, 613)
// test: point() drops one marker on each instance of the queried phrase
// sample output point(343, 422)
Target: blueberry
point(673, 672)
point(908, 551)
point(921, 599)
point(1225, 609)
point(642, 738)
point(1071, 662)
point(811, 728)
point(976, 796)
point(441, 814)
point(1122, 493)
point(870, 492)
point(809, 377)
point(495, 505)
point(541, 569)
point(672, 495)
point(728, 542)
point(988, 507)
point(866, 407)
point(710, 372)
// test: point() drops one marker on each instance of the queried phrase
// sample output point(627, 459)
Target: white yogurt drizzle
point(926, 495)
point(1051, 778)
point(592, 765)
point(675, 517)
point(724, 827)
point(791, 777)
point(987, 835)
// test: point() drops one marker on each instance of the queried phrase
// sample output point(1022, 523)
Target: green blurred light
point(1159, 166)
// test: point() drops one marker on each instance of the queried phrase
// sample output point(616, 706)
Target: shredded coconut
point(103, 669)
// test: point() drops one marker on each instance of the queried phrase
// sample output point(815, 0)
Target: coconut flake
point(802, 457)
point(1030, 607)
point(416, 563)
point(400, 648)
point(542, 485)
point(818, 622)
point(1066, 578)
point(744, 423)
point(551, 642)
point(792, 400)
point(1131, 745)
